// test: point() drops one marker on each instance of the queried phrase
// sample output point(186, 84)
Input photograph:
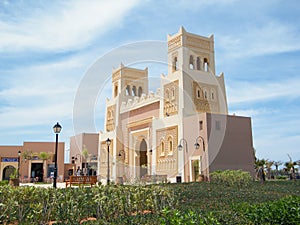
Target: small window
point(128, 90)
point(198, 63)
point(175, 64)
point(162, 147)
point(170, 143)
point(212, 96)
point(201, 125)
point(205, 65)
point(191, 62)
point(198, 93)
point(140, 91)
point(133, 91)
point(116, 91)
point(218, 125)
point(205, 94)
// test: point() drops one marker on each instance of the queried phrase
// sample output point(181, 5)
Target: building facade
point(84, 154)
point(183, 131)
point(35, 161)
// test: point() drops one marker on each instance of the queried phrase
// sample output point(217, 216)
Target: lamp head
point(179, 147)
point(57, 128)
point(108, 141)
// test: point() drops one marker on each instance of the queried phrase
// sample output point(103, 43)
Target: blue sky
point(46, 47)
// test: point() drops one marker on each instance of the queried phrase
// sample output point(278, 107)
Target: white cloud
point(269, 38)
point(239, 92)
point(69, 25)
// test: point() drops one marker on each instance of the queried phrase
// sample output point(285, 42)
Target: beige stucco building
point(87, 162)
point(31, 165)
point(183, 130)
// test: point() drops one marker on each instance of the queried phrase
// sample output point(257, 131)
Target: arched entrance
point(141, 160)
point(7, 171)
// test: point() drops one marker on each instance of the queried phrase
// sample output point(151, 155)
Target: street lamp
point(108, 141)
point(19, 155)
point(180, 148)
point(197, 145)
point(56, 129)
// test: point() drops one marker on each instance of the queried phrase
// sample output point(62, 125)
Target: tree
point(44, 156)
point(85, 155)
point(290, 167)
point(269, 164)
point(277, 164)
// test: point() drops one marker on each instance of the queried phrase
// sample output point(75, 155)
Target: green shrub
point(283, 211)
point(231, 178)
point(176, 217)
point(34, 205)
point(3, 182)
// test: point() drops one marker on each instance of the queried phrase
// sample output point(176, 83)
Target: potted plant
point(14, 178)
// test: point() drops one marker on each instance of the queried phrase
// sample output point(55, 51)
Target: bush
point(231, 178)
point(283, 211)
point(34, 205)
point(3, 182)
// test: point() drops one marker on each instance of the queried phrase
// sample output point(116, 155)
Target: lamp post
point(180, 148)
point(197, 146)
point(19, 155)
point(108, 141)
point(56, 129)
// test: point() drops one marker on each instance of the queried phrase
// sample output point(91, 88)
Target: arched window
point(205, 65)
point(140, 91)
point(170, 143)
point(191, 62)
point(116, 91)
point(205, 94)
point(212, 95)
point(175, 64)
point(198, 93)
point(128, 90)
point(162, 148)
point(133, 91)
point(198, 63)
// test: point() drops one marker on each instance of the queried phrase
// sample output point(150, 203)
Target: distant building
point(34, 166)
point(84, 163)
point(183, 131)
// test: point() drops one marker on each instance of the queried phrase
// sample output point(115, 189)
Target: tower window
point(128, 90)
point(140, 91)
point(175, 64)
point(198, 63)
point(205, 65)
point(201, 125)
point(116, 91)
point(133, 91)
point(191, 62)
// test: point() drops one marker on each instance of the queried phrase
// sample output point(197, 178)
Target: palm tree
point(259, 168)
point(290, 167)
point(269, 164)
point(277, 164)
point(44, 156)
point(85, 155)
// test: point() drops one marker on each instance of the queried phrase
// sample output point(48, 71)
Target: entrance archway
point(141, 159)
point(7, 171)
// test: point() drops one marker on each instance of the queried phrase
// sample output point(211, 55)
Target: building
point(183, 131)
point(84, 153)
point(36, 161)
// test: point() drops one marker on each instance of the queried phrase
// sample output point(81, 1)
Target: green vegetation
point(274, 202)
